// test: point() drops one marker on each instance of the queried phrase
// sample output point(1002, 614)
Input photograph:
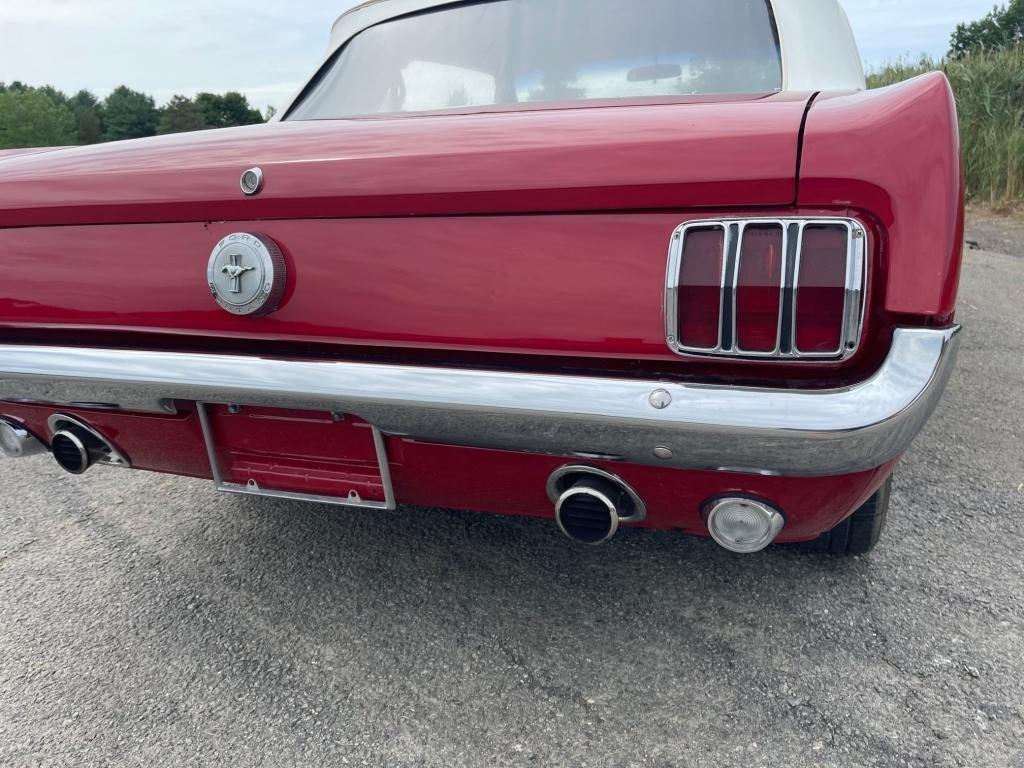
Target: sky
point(267, 48)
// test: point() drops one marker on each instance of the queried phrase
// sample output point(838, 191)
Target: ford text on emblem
point(247, 274)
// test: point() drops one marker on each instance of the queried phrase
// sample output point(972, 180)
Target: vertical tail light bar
point(766, 288)
point(759, 289)
point(701, 275)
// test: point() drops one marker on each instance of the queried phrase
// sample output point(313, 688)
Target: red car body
point(520, 241)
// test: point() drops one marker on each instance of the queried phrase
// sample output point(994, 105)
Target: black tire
point(859, 533)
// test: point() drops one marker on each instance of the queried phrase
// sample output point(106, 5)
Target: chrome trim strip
point(794, 287)
point(773, 431)
point(856, 289)
point(252, 489)
point(857, 265)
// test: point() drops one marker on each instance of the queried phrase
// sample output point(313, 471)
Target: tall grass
point(989, 89)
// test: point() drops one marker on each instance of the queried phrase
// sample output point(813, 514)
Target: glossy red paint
point(610, 158)
point(574, 286)
point(484, 480)
point(494, 239)
point(6, 154)
point(893, 154)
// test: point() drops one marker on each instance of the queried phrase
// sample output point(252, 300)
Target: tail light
point(767, 288)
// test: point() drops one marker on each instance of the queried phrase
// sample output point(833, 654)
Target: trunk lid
point(706, 154)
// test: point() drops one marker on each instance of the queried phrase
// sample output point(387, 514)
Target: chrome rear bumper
point(692, 426)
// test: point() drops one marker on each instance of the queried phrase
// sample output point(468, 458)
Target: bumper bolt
point(660, 399)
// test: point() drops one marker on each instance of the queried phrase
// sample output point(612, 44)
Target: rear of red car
point(617, 296)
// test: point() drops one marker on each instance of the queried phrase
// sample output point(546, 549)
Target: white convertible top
point(819, 52)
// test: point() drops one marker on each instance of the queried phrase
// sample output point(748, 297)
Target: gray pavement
point(149, 621)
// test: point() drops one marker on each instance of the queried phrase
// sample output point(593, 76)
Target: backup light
point(744, 525)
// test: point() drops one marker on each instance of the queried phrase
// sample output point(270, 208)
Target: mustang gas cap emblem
point(247, 274)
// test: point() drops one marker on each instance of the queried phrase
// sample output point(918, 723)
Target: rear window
point(508, 52)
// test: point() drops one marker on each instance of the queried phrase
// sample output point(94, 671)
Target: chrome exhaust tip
point(591, 503)
point(77, 447)
point(16, 442)
point(75, 450)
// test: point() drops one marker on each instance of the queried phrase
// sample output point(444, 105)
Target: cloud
point(890, 29)
point(264, 48)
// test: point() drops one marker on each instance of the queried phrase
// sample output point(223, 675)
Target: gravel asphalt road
point(147, 620)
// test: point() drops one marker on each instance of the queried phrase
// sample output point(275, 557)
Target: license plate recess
point(289, 454)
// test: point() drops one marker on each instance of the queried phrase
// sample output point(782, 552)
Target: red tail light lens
point(759, 289)
point(781, 289)
point(700, 288)
point(821, 290)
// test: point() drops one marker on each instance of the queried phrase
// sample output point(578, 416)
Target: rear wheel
point(859, 533)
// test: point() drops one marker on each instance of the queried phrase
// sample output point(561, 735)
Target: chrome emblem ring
point(251, 181)
point(247, 274)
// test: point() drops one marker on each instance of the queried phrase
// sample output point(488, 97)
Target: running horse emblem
point(235, 270)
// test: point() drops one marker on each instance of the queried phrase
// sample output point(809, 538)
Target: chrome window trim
point(857, 273)
point(785, 431)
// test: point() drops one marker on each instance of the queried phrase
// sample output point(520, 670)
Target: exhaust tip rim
point(112, 456)
point(70, 452)
point(613, 516)
point(562, 478)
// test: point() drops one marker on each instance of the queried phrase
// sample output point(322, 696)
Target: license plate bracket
point(241, 462)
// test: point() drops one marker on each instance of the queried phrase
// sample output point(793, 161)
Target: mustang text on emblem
point(246, 274)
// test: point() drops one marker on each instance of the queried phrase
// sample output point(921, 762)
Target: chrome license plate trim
point(253, 489)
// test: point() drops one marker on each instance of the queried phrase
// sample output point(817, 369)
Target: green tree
point(181, 114)
point(88, 114)
point(129, 114)
point(226, 110)
point(1002, 28)
point(31, 118)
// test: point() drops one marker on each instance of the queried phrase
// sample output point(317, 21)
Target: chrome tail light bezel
point(793, 229)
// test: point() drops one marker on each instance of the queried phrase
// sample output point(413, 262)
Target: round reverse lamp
point(744, 525)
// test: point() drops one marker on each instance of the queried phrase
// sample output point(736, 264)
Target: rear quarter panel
point(894, 154)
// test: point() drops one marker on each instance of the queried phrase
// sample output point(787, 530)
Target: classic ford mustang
point(657, 263)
